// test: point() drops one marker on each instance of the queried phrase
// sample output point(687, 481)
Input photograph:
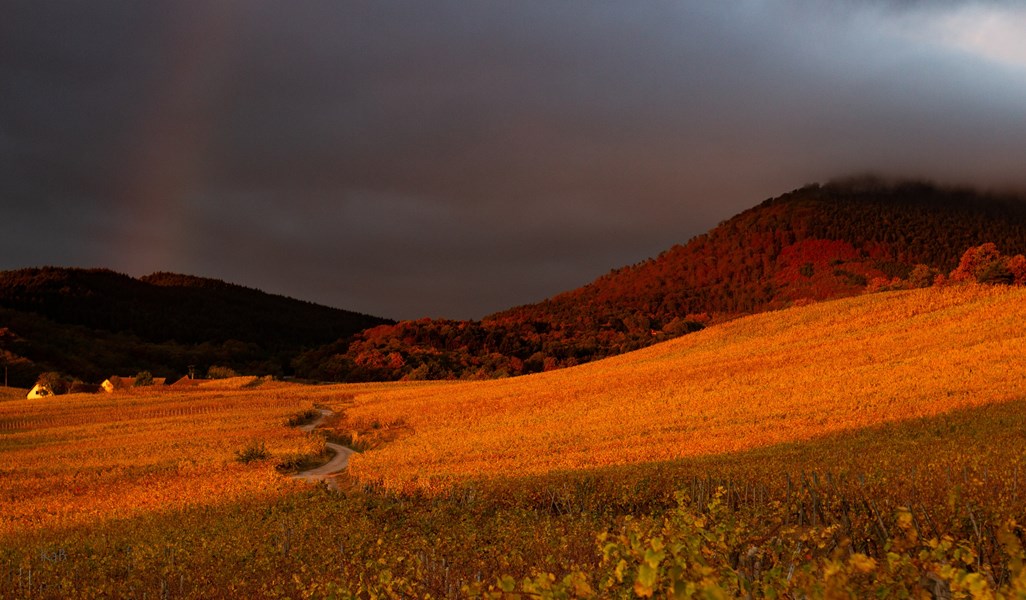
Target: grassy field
point(767, 379)
point(871, 446)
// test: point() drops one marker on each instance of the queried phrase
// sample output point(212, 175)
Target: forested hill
point(91, 322)
point(814, 243)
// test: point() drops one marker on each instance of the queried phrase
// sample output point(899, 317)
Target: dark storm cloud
point(452, 159)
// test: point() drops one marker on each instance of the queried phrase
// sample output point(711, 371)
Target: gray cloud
point(453, 159)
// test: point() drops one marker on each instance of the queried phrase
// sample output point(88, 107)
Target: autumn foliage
point(985, 264)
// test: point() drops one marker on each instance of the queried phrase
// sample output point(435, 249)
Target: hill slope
point(863, 500)
point(778, 377)
point(816, 243)
point(93, 322)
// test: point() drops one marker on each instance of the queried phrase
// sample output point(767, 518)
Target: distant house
point(40, 390)
point(159, 381)
point(187, 382)
point(116, 383)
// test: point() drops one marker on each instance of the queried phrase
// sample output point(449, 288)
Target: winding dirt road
point(337, 464)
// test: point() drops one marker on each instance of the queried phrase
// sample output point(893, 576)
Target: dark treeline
point(92, 323)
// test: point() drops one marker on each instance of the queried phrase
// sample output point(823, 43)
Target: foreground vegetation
point(889, 463)
point(781, 521)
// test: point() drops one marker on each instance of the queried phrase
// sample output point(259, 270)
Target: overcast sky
point(452, 159)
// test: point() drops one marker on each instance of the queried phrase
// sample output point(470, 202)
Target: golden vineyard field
point(867, 447)
point(83, 458)
point(762, 380)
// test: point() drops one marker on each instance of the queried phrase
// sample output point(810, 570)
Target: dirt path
point(335, 465)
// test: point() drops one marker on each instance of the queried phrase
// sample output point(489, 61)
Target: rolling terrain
point(832, 443)
point(767, 379)
point(869, 446)
point(815, 243)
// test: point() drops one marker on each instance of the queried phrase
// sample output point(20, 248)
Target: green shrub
point(143, 378)
point(307, 416)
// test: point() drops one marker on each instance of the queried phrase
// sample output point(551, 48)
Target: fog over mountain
point(451, 159)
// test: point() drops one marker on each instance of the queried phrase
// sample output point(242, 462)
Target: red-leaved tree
point(985, 264)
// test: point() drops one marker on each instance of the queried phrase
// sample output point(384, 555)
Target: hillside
point(863, 447)
point(92, 323)
point(767, 379)
point(815, 243)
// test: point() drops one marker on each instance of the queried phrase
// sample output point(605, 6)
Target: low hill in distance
point(92, 323)
point(767, 379)
point(815, 243)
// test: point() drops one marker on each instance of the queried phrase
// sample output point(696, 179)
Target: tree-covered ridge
point(166, 306)
point(817, 242)
point(91, 323)
point(814, 243)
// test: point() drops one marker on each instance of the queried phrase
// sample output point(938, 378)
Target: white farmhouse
point(40, 390)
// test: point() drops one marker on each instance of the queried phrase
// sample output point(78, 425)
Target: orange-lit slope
point(769, 378)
